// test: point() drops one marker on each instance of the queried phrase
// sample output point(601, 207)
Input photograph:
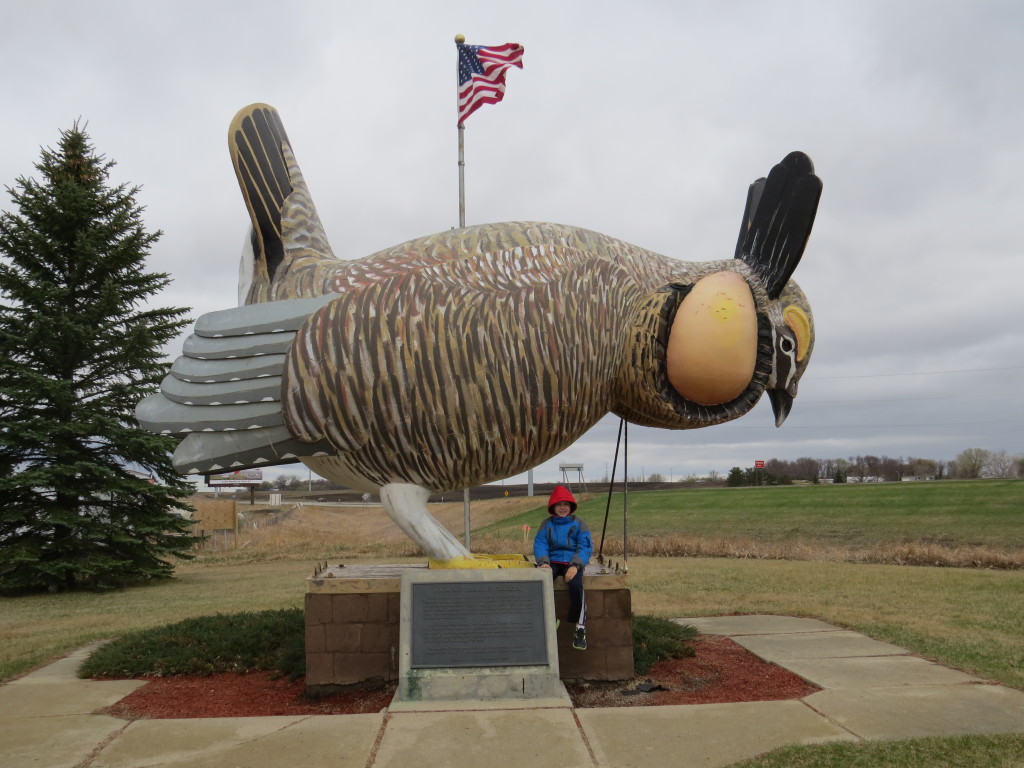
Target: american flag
point(482, 74)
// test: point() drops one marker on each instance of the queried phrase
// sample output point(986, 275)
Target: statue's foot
point(460, 563)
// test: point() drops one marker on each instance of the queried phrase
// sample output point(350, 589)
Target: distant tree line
point(970, 464)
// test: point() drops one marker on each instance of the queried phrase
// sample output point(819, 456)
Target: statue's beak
point(782, 404)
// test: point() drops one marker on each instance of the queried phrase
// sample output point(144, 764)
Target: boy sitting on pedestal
point(564, 545)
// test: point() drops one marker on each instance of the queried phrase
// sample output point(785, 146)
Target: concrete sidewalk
point(870, 691)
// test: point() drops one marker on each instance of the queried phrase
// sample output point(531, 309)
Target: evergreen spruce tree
point(736, 478)
point(79, 347)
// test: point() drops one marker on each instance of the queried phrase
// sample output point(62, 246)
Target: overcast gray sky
point(645, 121)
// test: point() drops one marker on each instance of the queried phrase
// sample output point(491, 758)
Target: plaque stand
point(477, 637)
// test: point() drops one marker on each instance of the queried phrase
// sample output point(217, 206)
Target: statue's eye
point(800, 324)
point(787, 345)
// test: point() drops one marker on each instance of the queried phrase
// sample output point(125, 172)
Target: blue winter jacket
point(563, 540)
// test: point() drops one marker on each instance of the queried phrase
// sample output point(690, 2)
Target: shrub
point(655, 639)
point(241, 642)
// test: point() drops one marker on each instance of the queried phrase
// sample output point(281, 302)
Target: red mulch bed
point(721, 672)
point(233, 694)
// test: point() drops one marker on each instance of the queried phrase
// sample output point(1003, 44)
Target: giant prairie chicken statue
point(474, 354)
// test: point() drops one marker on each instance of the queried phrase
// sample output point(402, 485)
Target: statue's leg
point(406, 505)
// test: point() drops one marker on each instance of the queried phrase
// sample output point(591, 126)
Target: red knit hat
point(561, 493)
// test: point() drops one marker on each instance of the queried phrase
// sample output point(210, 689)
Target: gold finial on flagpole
point(460, 39)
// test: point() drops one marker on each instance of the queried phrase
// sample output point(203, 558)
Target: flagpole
point(462, 176)
point(499, 59)
point(459, 40)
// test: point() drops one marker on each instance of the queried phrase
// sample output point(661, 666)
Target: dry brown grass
point(912, 553)
point(897, 553)
point(329, 532)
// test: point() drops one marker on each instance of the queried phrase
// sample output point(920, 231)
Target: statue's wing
point(224, 393)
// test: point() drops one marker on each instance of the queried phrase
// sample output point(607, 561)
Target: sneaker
point(579, 639)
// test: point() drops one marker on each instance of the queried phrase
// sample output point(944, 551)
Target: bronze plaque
point(478, 624)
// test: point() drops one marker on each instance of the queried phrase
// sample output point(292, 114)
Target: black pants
point(577, 601)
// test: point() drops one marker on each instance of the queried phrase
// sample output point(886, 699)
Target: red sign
point(758, 465)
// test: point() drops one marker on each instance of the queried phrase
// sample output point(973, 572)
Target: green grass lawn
point(1005, 751)
point(35, 629)
point(986, 513)
point(971, 619)
point(966, 618)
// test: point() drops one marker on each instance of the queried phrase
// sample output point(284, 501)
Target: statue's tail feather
point(284, 220)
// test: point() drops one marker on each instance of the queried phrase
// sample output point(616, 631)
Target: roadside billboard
point(241, 477)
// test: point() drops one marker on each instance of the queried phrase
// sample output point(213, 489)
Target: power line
point(916, 373)
point(802, 403)
point(1002, 422)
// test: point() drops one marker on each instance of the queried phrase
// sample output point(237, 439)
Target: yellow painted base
point(480, 561)
point(508, 561)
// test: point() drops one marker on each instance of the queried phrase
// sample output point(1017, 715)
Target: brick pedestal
point(352, 623)
point(609, 654)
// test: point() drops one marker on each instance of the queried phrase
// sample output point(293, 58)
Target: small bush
point(241, 642)
point(655, 639)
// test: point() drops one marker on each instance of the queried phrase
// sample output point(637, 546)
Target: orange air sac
point(712, 347)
